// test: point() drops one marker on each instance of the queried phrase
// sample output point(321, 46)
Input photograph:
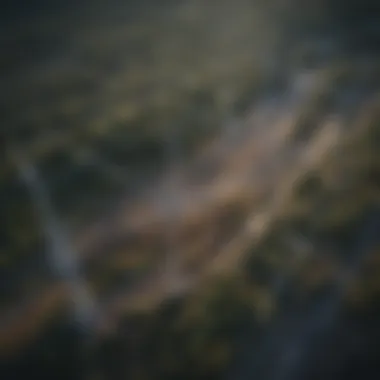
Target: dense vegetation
point(97, 114)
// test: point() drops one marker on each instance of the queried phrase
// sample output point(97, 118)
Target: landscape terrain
point(190, 190)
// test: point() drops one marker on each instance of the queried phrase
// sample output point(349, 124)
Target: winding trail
point(257, 168)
